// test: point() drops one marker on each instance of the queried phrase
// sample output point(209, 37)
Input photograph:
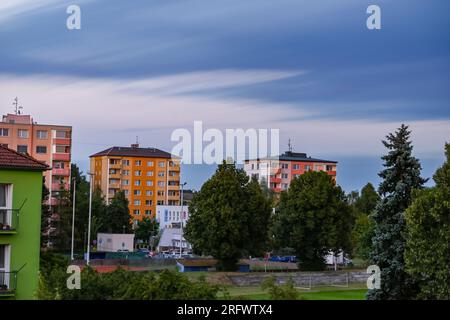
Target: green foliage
point(117, 217)
point(364, 229)
point(400, 177)
point(313, 217)
point(120, 284)
point(427, 254)
point(146, 228)
point(46, 215)
point(229, 217)
point(280, 292)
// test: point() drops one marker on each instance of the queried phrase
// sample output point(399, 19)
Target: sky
point(309, 68)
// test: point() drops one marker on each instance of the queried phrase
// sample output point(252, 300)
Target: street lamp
point(181, 219)
point(73, 218)
point(91, 175)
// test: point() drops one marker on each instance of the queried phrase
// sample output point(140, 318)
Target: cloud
point(107, 112)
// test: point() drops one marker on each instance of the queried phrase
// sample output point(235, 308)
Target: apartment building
point(278, 172)
point(20, 220)
point(50, 144)
point(149, 177)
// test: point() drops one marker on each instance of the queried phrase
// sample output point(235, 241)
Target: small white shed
point(114, 242)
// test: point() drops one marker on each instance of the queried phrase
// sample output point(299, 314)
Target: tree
point(427, 254)
point(280, 292)
point(146, 228)
point(228, 217)
point(117, 218)
point(368, 200)
point(63, 219)
point(400, 177)
point(46, 217)
point(313, 218)
point(364, 228)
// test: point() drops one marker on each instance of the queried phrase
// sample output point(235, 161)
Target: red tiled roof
point(10, 159)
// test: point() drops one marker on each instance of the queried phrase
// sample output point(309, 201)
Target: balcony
point(8, 283)
point(114, 165)
point(174, 168)
point(114, 175)
point(9, 221)
point(62, 141)
point(275, 180)
point(61, 156)
point(61, 172)
point(56, 186)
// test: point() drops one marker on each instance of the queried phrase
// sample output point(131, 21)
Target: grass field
point(355, 292)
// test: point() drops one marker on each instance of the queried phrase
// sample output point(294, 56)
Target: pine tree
point(428, 236)
point(400, 177)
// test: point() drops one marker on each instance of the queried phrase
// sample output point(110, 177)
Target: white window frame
point(8, 202)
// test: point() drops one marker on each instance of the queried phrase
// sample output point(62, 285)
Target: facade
point(171, 216)
point(115, 242)
point(278, 172)
point(20, 223)
point(170, 241)
point(148, 176)
point(51, 144)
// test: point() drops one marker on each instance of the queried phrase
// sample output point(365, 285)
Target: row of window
point(137, 173)
point(296, 166)
point(40, 134)
point(137, 183)
point(126, 163)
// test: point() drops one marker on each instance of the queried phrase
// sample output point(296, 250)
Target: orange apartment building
point(50, 144)
point(148, 176)
point(278, 172)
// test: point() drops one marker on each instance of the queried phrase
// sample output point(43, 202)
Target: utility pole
point(73, 218)
point(89, 222)
point(181, 219)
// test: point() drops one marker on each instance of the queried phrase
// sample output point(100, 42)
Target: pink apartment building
point(47, 143)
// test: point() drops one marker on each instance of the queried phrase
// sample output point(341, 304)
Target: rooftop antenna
point(137, 139)
point(289, 145)
point(17, 108)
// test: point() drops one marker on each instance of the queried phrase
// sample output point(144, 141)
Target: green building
point(20, 221)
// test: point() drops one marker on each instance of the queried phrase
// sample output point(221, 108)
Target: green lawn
point(319, 293)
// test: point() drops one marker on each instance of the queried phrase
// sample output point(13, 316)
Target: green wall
point(25, 245)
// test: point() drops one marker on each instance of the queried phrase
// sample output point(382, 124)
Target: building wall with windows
point(172, 216)
point(278, 172)
point(20, 221)
point(51, 144)
point(148, 176)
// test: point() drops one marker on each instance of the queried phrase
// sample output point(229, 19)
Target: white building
point(170, 241)
point(114, 242)
point(171, 216)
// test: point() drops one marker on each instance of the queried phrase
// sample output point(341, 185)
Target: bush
point(280, 292)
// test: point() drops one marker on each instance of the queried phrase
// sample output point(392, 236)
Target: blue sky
point(310, 68)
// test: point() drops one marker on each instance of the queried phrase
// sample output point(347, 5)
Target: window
point(125, 182)
point(329, 168)
point(137, 192)
point(62, 149)
point(149, 183)
point(149, 173)
point(161, 184)
point(41, 149)
point(22, 149)
point(137, 173)
point(148, 202)
point(23, 133)
point(284, 176)
point(307, 168)
point(284, 186)
point(161, 164)
point(149, 193)
point(148, 212)
point(160, 173)
point(137, 182)
point(253, 166)
point(160, 202)
point(61, 134)
point(41, 134)
point(137, 202)
point(284, 166)
point(296, 167)
point(5, 203)
point(126, 192)
point(126, 162)
point(58, 165)
point(149, 163)
point(137, 163)
point(136, 212)
point(4, 264)
point(4, 132)
point(126, 172)
point(160, 193)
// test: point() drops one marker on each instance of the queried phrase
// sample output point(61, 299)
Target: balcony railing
point(8, 283)
point(9, 221)
point(61, 172)
point(61, 156)
point(56, 186)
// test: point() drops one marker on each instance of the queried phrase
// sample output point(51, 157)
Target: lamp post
point(181, 219)
point(73, 218)
point(91, 175)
